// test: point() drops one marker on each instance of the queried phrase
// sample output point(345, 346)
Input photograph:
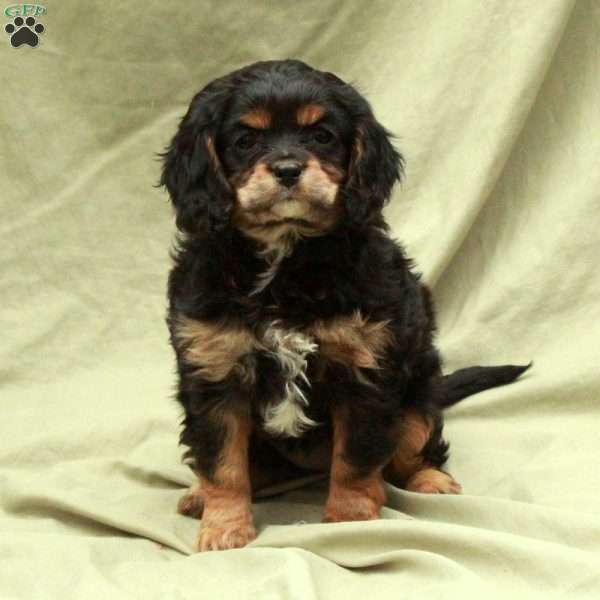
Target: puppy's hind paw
point(433, 481)
point(191, 504)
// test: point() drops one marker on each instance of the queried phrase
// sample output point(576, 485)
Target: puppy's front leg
point(356, 490)
point(225, 485)
point(215, 380)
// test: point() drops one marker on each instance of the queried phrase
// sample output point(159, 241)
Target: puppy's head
point(278, 147)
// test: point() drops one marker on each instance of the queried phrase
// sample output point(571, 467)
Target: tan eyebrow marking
point(309, 114)
point(258, 118)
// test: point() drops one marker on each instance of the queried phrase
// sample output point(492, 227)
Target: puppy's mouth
point(286, 210)
point(303, 223)
point(265, 205)
point(289, 207)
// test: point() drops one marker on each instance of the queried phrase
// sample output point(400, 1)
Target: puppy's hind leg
point(421, 451)
point(191, 504)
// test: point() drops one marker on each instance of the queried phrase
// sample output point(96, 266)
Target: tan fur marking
point(227, 518)
point(358, 149)
point(309, 114)
point(191, 504)
point(259, 187)
point(215, 348)
point(267, 212)
point(258, 118)
point(335, 174)
point(433, 481)
point(210, 147)
point(357, 152)
point(407, 459)
point(354, 341)
point(317, 183)
point(350, 498)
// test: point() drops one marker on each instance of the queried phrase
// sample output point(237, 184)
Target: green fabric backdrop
point(496, 106)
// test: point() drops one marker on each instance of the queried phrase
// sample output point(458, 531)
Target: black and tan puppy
point(304, 340)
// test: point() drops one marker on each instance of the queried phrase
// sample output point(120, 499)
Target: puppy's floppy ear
point(192, 171)
point(374, 166)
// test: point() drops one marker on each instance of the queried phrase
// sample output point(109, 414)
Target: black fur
point(190, 176)
point(465, 382)
point(355, 266)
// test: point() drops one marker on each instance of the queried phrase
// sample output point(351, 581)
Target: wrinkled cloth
point(496, 108)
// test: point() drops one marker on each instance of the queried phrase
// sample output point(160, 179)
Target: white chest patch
point(274, 255)
point(285, 415)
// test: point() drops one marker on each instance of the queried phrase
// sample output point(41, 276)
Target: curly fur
point(340, 321)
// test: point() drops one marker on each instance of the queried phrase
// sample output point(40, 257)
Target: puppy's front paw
point(432, 481)
point(225, 538)
point(351, 506)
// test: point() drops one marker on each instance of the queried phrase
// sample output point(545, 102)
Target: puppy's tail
point(464, 382)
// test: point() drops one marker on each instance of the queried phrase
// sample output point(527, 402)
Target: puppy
point(304, 339)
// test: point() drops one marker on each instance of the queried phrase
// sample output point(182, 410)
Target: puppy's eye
point(322, 135)
point(245, 141)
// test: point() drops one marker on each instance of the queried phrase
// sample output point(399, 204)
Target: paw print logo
point(24, 32)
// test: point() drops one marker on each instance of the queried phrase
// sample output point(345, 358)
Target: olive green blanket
point(496, 106)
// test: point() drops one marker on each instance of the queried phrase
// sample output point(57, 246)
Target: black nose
point(287, 171)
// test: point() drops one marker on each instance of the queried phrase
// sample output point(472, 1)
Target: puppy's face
point(278, 147)
point(286, 157)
